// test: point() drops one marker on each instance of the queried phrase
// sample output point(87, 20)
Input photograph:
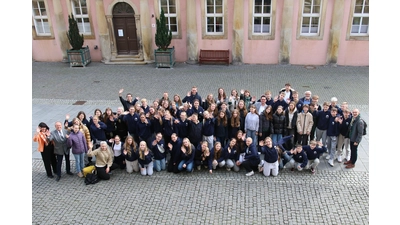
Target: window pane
point(163, 3)
point(219, 20)
point(267, 9)
point(258, 2)
point(218, 9)
point(365, 21)
point(172, 20)
point(257, 20)
point(356, 20)
point(359, 2)
point(266, 20)
point(41, 5)
point(306, 21)
point(174, 28)
point(354, 29)
point(366, 9)
point(165, 9)
point(307, 7)
point(172, 9)
point(210, 2)
point(210, 9)
point(36, 12)
point(316, 9)
point(218, 2)
point(358, 9)
point(219, 28)
point(257, 9)
point(364, 29)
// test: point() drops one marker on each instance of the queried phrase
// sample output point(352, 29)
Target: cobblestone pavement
point(333, 195)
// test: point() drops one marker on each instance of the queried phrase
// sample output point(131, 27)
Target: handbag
point(91, 178)
point(88, 169)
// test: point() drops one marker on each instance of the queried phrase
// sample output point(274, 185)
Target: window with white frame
point(214, 17)
point(80, 11)
point(360, 24)
point(311, 17)
point(262, 17)
point(169, 8)
point(40, 19)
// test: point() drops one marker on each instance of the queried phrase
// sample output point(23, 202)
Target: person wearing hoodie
point(290, 123)
point(251, 157)
point(314, 150)
point(299, 158)
point(270, 166)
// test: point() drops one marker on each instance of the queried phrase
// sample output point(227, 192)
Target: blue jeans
point(189, 167)
point(79, 162)
point(252, 134)
point(159, 164)
point(276, 138)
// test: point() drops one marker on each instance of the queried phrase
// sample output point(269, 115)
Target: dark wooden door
point(125, 35)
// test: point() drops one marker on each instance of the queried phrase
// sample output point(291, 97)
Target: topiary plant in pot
point(78, 55)
point(164, 56)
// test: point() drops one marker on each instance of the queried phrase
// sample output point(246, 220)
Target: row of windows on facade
point(311, 17)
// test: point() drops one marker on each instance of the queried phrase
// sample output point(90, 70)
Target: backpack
point(91, 178)
point(365, 127)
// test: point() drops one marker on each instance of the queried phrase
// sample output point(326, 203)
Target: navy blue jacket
point(191, 98)
point(251, 153)
point(344, 127)
point(229, 155)
point(170, 127)
point(208, 127)
point(131, 122)
point(155, 149)
point(187, 158)
point(147, 159)
point(174, 151)
point(323, 119)
point(127, 104)
point(195, 132)
point(183, 128)
point(134, 155)
point(270, 154)
point(98, 133)
point(143, 130)
point(283, 103)
point(314, 153)
point(300, 158)
point(333, 127)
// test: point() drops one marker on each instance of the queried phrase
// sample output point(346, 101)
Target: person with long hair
point(116, 147)
point(234, 124)
point(221, 97)
point(186, 156)
point(229, 154)
point(233, 100)
point(242, 112)
point(270, 163)
point(251, 123)
point(145, 159)
point(131, 155)
point(217, 158)
point(221, 128)
point(264, 130)
point(178, 101)
point(46, 149)
point(109, 121)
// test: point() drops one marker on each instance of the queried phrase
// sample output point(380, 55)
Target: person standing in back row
point(355, 133)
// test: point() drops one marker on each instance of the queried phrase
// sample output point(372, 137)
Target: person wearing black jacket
point(290, 124)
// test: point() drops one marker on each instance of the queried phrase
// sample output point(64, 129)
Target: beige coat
point(304, 122)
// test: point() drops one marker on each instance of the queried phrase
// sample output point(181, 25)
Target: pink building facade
point(298, 32)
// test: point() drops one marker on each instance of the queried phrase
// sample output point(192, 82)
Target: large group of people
point(230, 131)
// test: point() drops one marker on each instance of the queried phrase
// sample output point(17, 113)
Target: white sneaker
point(330, 162)
point(328, 157)
point(251, 173)
point(228, 169)
point(198, 167)
point(339, 159)
point(348, 158)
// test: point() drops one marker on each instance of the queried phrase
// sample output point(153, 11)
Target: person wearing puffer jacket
point(290, 123)
point(278, 124)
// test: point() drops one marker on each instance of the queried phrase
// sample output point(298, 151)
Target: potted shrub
point(78, 55)
point(164, 56)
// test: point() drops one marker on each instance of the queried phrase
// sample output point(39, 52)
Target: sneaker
point(348, 158)
point(328, 157)
point(312, 170)
point(228, 169)
point(330, 162)
point(339, 159)
point(198, 167)
point(251, 173)
point(80, 174)
point(260, 169)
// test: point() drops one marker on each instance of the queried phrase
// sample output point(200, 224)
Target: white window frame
point(168, 15)
point(262, 15)
point(311, 15)
point(362, 16)
point(38, 20)
point(214, 16)
point(81, 17)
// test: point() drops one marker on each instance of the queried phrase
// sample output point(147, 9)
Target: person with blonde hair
point(131, 155)
point(186, 156)
point(145, 159)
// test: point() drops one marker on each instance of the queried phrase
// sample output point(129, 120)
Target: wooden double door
point(125, 34)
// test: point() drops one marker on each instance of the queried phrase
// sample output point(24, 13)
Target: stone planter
point(165, 58)
point(79, 58)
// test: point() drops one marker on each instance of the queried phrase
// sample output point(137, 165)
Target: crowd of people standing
point(231, 130)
